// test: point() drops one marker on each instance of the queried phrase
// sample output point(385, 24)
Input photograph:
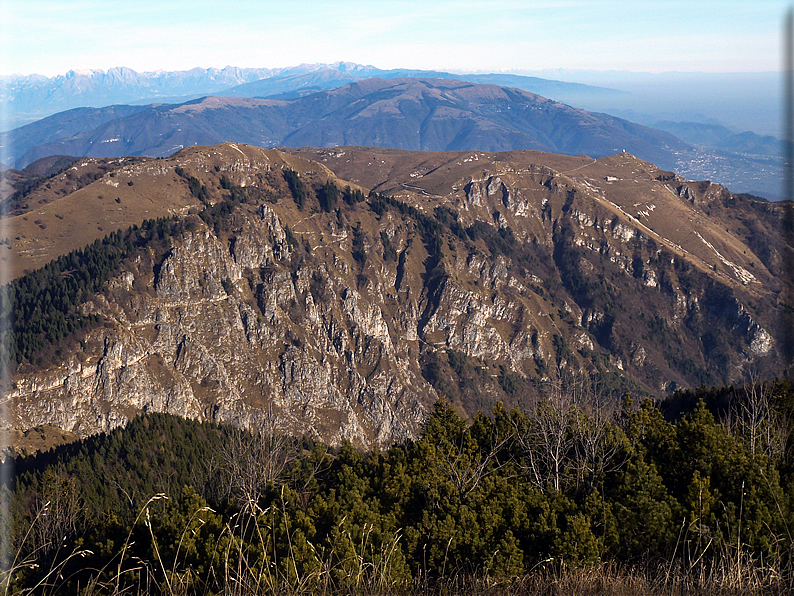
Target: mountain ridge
point(446, 114)
point(479, 276)
point(35, 96)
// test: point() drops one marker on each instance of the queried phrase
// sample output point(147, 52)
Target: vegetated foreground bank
point(566, 496)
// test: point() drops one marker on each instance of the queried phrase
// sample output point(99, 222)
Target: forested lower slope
point(169, 505)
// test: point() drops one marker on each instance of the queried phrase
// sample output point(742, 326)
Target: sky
point(51, 37)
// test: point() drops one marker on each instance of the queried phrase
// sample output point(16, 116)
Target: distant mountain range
point(404, 113)
point(721, 137)
point(174, 111)
point(292, 85)
point(30, 97)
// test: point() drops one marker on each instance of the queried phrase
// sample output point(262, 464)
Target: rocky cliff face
point(200, 341)
point(489, 282)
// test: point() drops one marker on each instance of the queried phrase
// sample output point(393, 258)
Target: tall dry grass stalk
point(249, 565)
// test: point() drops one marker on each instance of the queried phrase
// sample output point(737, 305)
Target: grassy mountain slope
point(480, 276)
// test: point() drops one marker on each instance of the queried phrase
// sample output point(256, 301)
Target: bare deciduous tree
point(545, 439)
point(254, 460)
point(58, 512)
point(570, 435)
point(465, 465)
point(753, 417)
point(596, 436)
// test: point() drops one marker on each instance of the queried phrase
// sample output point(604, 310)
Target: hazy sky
point(53, 36)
